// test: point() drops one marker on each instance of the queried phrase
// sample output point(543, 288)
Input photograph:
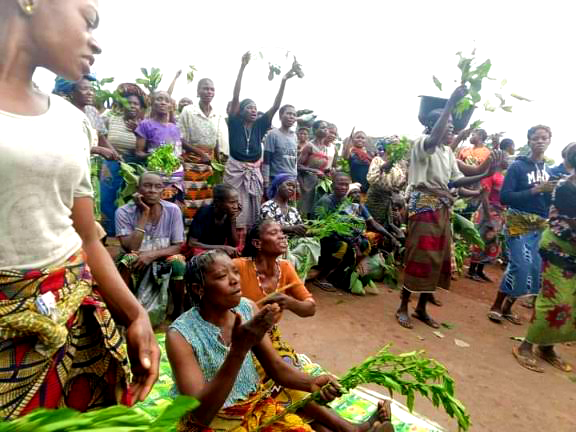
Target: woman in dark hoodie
point(526, 191)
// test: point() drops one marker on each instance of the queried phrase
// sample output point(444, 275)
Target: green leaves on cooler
point(163, 160)
point(117, 418)
point(407, 374)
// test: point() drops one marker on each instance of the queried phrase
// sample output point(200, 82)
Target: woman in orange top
point(263, 273)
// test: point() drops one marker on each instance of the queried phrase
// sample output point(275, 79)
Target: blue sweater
point(520, 178)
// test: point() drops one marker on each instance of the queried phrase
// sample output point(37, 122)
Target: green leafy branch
point(336, 222)
point(190, 74)
point(119, 418)
point(473, 75)
point(398, 150)
point(407, 374)
point(151, 80)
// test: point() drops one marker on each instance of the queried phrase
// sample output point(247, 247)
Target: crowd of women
point(74, 331)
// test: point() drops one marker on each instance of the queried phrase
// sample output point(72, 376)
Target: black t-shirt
point(204, 228)
point(237, 136)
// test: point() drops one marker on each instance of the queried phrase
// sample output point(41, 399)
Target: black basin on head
point(430, 103)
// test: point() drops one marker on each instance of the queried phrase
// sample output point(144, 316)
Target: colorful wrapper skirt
point(427, 259)
point(73, 356)
point(554, 316)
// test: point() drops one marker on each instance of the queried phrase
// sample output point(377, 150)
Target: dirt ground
point(499, 394)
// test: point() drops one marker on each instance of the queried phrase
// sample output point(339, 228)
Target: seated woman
point(214, 225)
point(263, 274)
point(341, 254)
point(210, 350)
point(151, 231)
point(304, 251)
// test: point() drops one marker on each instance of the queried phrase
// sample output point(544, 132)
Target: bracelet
point(140, 230)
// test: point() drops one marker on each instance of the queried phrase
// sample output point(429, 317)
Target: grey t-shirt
point(280, 154)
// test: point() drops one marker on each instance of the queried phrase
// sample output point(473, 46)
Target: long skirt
point(522, 276)
point(379, 204)
point(73, 358)
point(246, 178)
point(307, 183)
point(554, 316)
point(427, 262)
point(198, 192)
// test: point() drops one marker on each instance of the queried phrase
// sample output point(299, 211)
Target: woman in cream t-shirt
point(51, 320)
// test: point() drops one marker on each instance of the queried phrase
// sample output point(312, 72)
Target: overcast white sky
point(365, 62)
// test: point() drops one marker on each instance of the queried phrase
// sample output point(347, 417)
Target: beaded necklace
point(261, 276)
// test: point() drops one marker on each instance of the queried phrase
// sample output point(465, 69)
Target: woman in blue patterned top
point(210, 350)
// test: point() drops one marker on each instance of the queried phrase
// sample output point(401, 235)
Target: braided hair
point(196, 269)
point(254, 234)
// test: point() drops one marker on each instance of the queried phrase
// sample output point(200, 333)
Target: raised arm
point(278, 101)
point(173, 83)
point(439, 130)
point(234, 108)
point(462, 136)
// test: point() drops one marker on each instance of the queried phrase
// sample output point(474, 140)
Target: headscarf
point(354, 187)
point(65, 87)
point(130, 89)
point(277, 182)
point(245, 103)
point(381, 144)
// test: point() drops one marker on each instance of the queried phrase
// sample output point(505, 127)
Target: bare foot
point(380, 420)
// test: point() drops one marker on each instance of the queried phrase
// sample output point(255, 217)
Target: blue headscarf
point(277, 182)
point(65, 87)
point(381, 144)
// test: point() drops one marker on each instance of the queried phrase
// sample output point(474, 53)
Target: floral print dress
point(554, 319)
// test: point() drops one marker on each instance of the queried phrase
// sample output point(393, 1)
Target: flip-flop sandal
point(495, 316)
point(526, 362)
point(404, 321)
point(324, 286)
point(528, 304)
point(426, 320)
point(555, 361)
point(513, 318)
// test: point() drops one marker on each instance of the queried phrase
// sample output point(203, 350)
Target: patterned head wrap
point(129, 89)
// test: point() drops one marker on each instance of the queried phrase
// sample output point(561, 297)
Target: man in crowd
point(151, 233)
point(280, 148)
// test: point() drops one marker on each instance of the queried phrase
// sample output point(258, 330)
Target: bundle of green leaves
point(407, 374)
point(163, 160)
point(398, 150)
point(336, 222)
point(117, 418)
point(130, 173)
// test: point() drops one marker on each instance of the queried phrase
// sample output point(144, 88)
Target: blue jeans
point(111, 182)
point(522, 276)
